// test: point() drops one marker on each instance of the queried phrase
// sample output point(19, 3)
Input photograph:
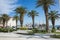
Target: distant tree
point(16, 18)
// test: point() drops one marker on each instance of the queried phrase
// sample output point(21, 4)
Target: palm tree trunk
point(53, 23)
point(21, 21)
point(4, 23)
point(33, 22)
point(47, 24)
point(16, 24)
point(46, 14)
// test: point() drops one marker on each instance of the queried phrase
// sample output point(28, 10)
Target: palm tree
point(53, 16)
point(45, 4)
point(1, 21)
point(5, 19)
point(22, 11)
point(32, 14)
point(16, 18)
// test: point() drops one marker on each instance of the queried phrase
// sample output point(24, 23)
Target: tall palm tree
point(16, 18)
point(53, 16)
point(5, 19)
point(22, 11)
point(45, 4)
point(32, 14)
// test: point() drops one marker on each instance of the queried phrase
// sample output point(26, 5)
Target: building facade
point(10, 23)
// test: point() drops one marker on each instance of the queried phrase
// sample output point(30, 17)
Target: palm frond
point(53, 15)
point(20, 10)
point(32, 13)
point(45, 2)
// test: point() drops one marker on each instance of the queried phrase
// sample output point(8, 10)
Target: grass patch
point(23, 28)
point(56, 32)
point(39, 31)
point(55, 36)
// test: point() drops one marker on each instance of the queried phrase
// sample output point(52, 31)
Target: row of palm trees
point(45, 5)
point(22, 11)
point(52, 16)
point(6, 17)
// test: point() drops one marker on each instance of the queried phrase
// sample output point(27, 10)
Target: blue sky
point(7, 6)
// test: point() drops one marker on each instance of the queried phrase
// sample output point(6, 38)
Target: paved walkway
point(26, 39)
point(14, 36)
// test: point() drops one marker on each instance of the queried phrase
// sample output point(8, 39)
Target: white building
point(10, 23)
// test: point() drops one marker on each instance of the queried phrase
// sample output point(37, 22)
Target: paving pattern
point(14, 36)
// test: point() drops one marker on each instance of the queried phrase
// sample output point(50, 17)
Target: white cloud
point(6, 6)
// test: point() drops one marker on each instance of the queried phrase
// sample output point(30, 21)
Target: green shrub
point(23, 28)
point(18, 28)
point(55, 36)
point(11, 29)
point(58, 28)
point(43, 31)
point(53, 30)
point(38, 31)
point(3, 30)
point(35, 30)
point(6, 29)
